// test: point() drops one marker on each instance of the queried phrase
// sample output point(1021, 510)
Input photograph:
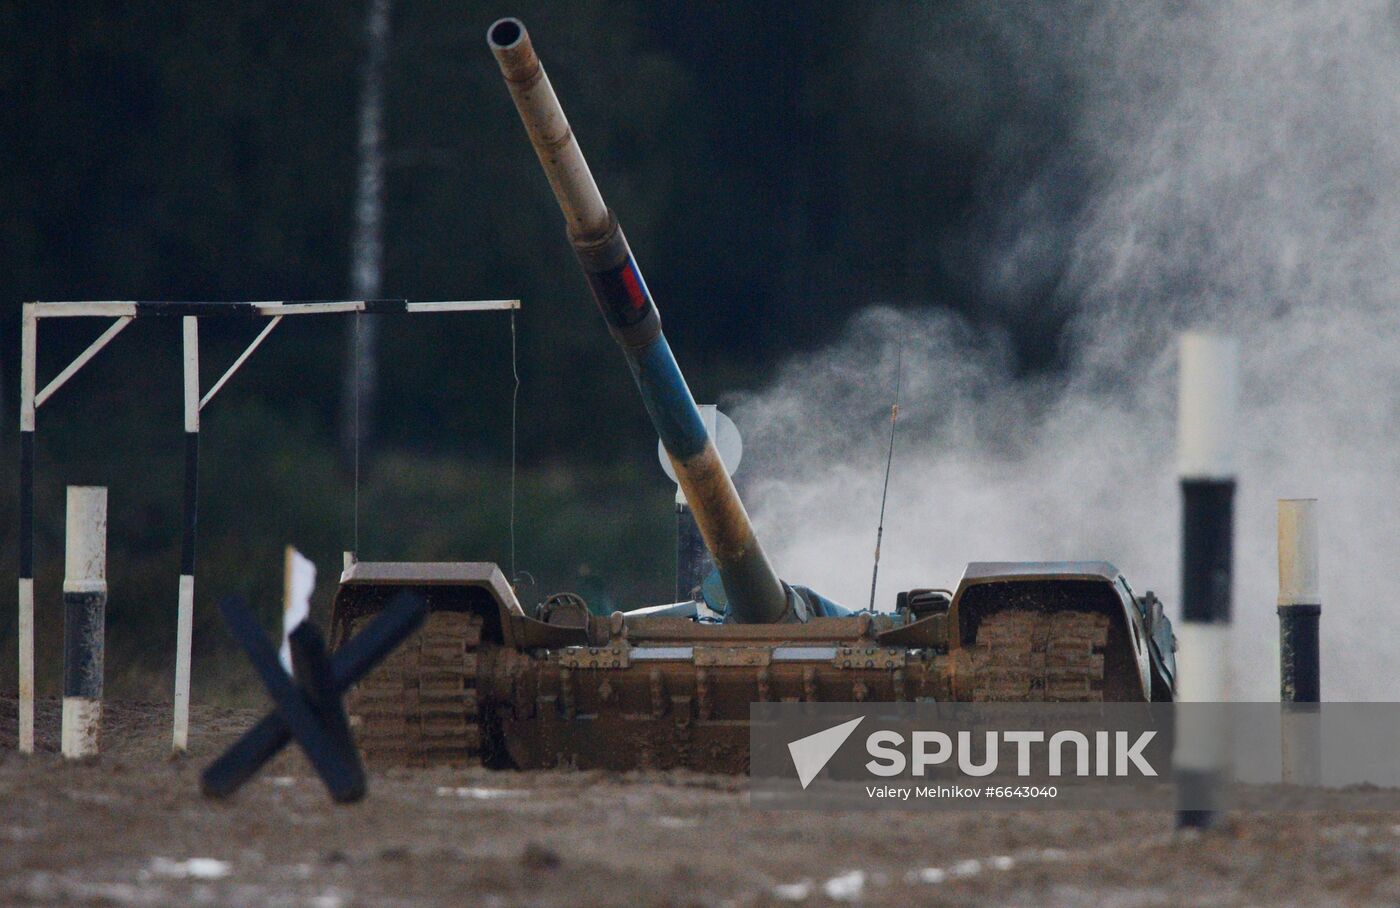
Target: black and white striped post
point(122, 313)
point(84, 619)
point(1206, 426)
point(184, 624)
point(1299, 613)
point(29, 329)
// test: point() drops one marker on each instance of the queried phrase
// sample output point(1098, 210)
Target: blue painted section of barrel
point(668, 399)
point(624, 300)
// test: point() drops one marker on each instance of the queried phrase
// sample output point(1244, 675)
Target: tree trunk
point(367, 252)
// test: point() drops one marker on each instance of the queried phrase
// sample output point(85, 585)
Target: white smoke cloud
point(1245, 165)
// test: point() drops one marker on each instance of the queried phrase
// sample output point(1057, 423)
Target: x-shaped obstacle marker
point(309, 708)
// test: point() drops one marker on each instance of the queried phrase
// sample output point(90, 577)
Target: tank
point(488, 681)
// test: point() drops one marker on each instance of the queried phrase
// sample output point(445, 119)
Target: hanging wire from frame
point(889, 460)
point(358, 380)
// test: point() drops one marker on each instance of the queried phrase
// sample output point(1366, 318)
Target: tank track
point(1030, 655)
point(419, 707)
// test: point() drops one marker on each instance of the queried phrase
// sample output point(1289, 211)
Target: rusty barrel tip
point(511, 45)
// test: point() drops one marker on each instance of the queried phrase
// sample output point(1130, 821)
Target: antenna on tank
point(889, 460)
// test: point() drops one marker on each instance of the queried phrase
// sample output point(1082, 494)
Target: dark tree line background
point(777, 166)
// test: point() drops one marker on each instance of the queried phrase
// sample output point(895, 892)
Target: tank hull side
point(681, 713)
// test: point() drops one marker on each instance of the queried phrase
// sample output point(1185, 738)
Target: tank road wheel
point(1025, 655)
point(419, 707)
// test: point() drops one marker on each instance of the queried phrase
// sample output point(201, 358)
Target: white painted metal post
point(84, 619)
point(29, 335)
point(185, 625)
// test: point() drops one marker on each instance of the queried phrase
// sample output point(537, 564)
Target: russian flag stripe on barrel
point(621, 294)
point(635, 287)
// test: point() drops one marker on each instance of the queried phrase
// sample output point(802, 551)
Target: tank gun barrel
point(755, 593)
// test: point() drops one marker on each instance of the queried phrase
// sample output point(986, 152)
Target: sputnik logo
point(813, 752)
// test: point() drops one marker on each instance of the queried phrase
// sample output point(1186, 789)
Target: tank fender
point(475, 586)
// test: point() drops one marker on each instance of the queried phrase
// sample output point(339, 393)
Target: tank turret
point(754, 592)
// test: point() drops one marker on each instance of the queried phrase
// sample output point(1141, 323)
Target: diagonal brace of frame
point(242, 358)
point(82, 359)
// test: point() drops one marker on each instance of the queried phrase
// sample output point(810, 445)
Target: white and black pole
point(84, 619)
point(1206, 426)
point(28, 344)
point(185, 622)
point(1299, 613)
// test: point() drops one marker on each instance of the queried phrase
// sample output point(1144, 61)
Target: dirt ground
point(131, 828)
